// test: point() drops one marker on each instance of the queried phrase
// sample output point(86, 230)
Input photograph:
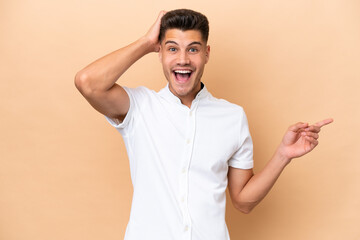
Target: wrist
point(149, 44)
point(281, 155)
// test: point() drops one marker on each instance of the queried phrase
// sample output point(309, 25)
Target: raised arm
point(96, 82)
point(247, 190)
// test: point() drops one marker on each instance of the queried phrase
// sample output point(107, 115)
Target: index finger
point(324, 122)
point(161, 14)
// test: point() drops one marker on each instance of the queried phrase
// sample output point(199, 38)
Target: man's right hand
point(97, 81)
point(153, 34)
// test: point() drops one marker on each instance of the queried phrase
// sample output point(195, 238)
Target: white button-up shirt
point(179, 160)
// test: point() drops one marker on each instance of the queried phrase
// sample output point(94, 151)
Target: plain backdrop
point(64, 172)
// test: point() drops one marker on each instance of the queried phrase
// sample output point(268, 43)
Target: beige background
point(64, 172)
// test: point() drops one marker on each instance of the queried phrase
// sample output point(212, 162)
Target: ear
point(160, 53)
point(207, 53)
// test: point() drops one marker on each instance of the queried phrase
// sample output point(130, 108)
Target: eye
point(193, 50)
point(172, 49)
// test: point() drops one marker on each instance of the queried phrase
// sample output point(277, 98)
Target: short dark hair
point(184, 19)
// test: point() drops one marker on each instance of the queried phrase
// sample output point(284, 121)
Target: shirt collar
point(168, 95)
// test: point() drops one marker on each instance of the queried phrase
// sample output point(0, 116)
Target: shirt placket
point(185, 167)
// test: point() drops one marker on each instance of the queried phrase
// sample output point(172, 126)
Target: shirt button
point(183, 170)
point(186, 228)
point(190, 114)
point(182, 199)
point(188, 141)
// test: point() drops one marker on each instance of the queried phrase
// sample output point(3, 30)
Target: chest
point(205, 135)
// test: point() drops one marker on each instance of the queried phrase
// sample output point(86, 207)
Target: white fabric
point(179, 159)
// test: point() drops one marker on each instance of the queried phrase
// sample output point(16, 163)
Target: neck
point(188, 98)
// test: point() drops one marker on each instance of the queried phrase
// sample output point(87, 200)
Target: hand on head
point(153, 33)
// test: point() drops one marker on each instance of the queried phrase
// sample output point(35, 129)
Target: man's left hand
point(300, 139)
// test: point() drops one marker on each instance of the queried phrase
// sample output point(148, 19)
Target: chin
point(181, 91)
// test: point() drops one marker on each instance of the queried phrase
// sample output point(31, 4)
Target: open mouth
point(182, 75)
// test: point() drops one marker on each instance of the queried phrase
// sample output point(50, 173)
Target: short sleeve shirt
point(179, 160)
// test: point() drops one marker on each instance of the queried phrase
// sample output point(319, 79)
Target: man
point(185, 146)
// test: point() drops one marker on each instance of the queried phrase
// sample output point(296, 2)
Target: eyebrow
point(192, 43)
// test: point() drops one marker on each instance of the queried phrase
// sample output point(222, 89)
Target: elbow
point(245, 211)
point(82, 83)
point(245, 208)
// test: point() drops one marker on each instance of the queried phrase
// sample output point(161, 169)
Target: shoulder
point(225, 107)
point(140, 92)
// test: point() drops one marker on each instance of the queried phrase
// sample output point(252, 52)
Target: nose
point(183, 58)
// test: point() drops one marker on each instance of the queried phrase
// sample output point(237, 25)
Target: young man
point(185, 146)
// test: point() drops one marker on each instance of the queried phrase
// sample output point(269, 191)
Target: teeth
point(182, 71)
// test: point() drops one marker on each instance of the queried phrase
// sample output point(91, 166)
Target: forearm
point(102, 74)
point(247, 190)
point(261, 183)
